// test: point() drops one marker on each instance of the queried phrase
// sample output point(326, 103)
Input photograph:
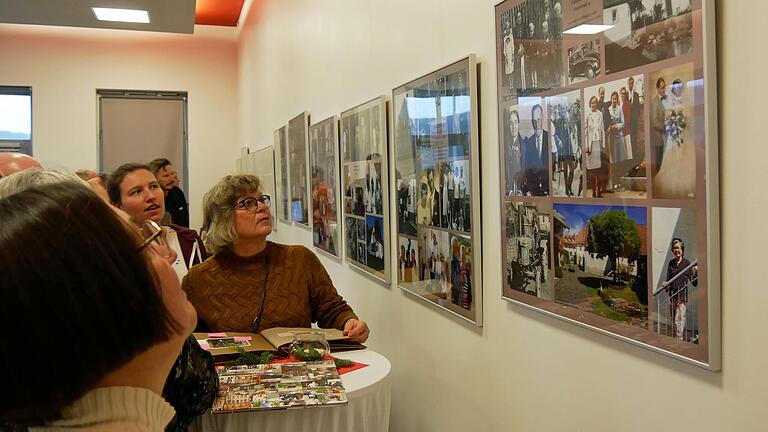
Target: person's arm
point(329, 309)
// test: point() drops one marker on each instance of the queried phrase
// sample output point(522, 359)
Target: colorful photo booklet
point(278, 386)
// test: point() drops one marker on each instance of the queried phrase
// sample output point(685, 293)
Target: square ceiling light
point(121, 15)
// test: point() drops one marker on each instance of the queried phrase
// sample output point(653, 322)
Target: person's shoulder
point(184, 232)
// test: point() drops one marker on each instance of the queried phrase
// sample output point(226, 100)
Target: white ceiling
point(173, 16)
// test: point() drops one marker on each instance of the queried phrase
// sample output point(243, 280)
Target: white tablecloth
point(368, 392)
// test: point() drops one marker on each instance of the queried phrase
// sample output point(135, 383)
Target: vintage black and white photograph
point(530, 37)
point(361, 235)
point(281, 174)
point(363, 135)
point(436, 146)
point(362, 252)
point(374, 229)
point(601, 260)
point(534, 175)
point(673, 121)
point(564, 112)
point(527, 262)
point(646, 31)
point(297, 154)
point(350, 227)
point(407, 260)
point(614, 143)
point(584, 62)
point(373, 198)
point(406, 205)
point(677, 297)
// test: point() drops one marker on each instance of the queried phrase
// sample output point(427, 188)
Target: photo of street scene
point(527, 249)
point(601, 260)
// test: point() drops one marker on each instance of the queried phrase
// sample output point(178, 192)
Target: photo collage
point(433, 138)
point(323, 153)
point(602, 166)
point(297, 161)
point(364, 175)
point(281, 174)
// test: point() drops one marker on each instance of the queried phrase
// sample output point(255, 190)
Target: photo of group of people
point(362, 133)
point(297, 160)
point(526, 149)
point(531, 47)
point(615, 139)
point(604, 176)
point(323, 152)
point(433, 153)
point(444, 196)
point(283, 198)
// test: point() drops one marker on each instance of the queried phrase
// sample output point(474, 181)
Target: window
point(16, 119)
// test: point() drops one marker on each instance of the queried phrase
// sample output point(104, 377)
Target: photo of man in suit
point(536, 157)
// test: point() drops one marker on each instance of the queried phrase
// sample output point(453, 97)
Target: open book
point(276, 339)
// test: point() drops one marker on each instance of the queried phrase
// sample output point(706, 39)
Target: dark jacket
point(187, 238)
point(176, 204)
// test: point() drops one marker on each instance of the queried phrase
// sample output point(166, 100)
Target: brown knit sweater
point(226, 291)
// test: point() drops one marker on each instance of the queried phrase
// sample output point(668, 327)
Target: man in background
point(175, 201)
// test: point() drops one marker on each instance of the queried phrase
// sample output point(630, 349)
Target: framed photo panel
point(282, 189)
point(297, 161)
point(365, 176)
point(263, 167)
point(437, 168)
point(608, 160)
point(324, 170)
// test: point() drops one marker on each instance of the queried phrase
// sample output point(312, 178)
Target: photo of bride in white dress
point(676, 176)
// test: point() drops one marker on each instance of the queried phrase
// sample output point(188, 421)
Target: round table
point(368, 393)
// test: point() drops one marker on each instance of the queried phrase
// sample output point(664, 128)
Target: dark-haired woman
point(103, 290)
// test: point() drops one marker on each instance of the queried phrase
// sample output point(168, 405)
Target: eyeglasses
point(251, 204)
point(154, 236)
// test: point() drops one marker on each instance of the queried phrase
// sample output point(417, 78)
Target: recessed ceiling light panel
point(121, 15)
point(588, 29)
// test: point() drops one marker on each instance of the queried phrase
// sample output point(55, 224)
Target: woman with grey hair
point(252, 284)
point(35, 177)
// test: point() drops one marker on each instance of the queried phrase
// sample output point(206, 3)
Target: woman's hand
point(356, 330)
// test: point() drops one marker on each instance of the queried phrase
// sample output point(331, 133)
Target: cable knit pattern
point(226, 291)
point(115, 409)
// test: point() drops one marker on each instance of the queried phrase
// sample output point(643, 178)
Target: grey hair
point(219, 209)
point(22, 180)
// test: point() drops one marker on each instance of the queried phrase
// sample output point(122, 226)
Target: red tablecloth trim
point(342, 370)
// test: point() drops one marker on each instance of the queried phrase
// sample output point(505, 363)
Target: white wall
point(522, 371)
point(65, 66)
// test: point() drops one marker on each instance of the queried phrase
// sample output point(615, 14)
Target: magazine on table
point(278, 386)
